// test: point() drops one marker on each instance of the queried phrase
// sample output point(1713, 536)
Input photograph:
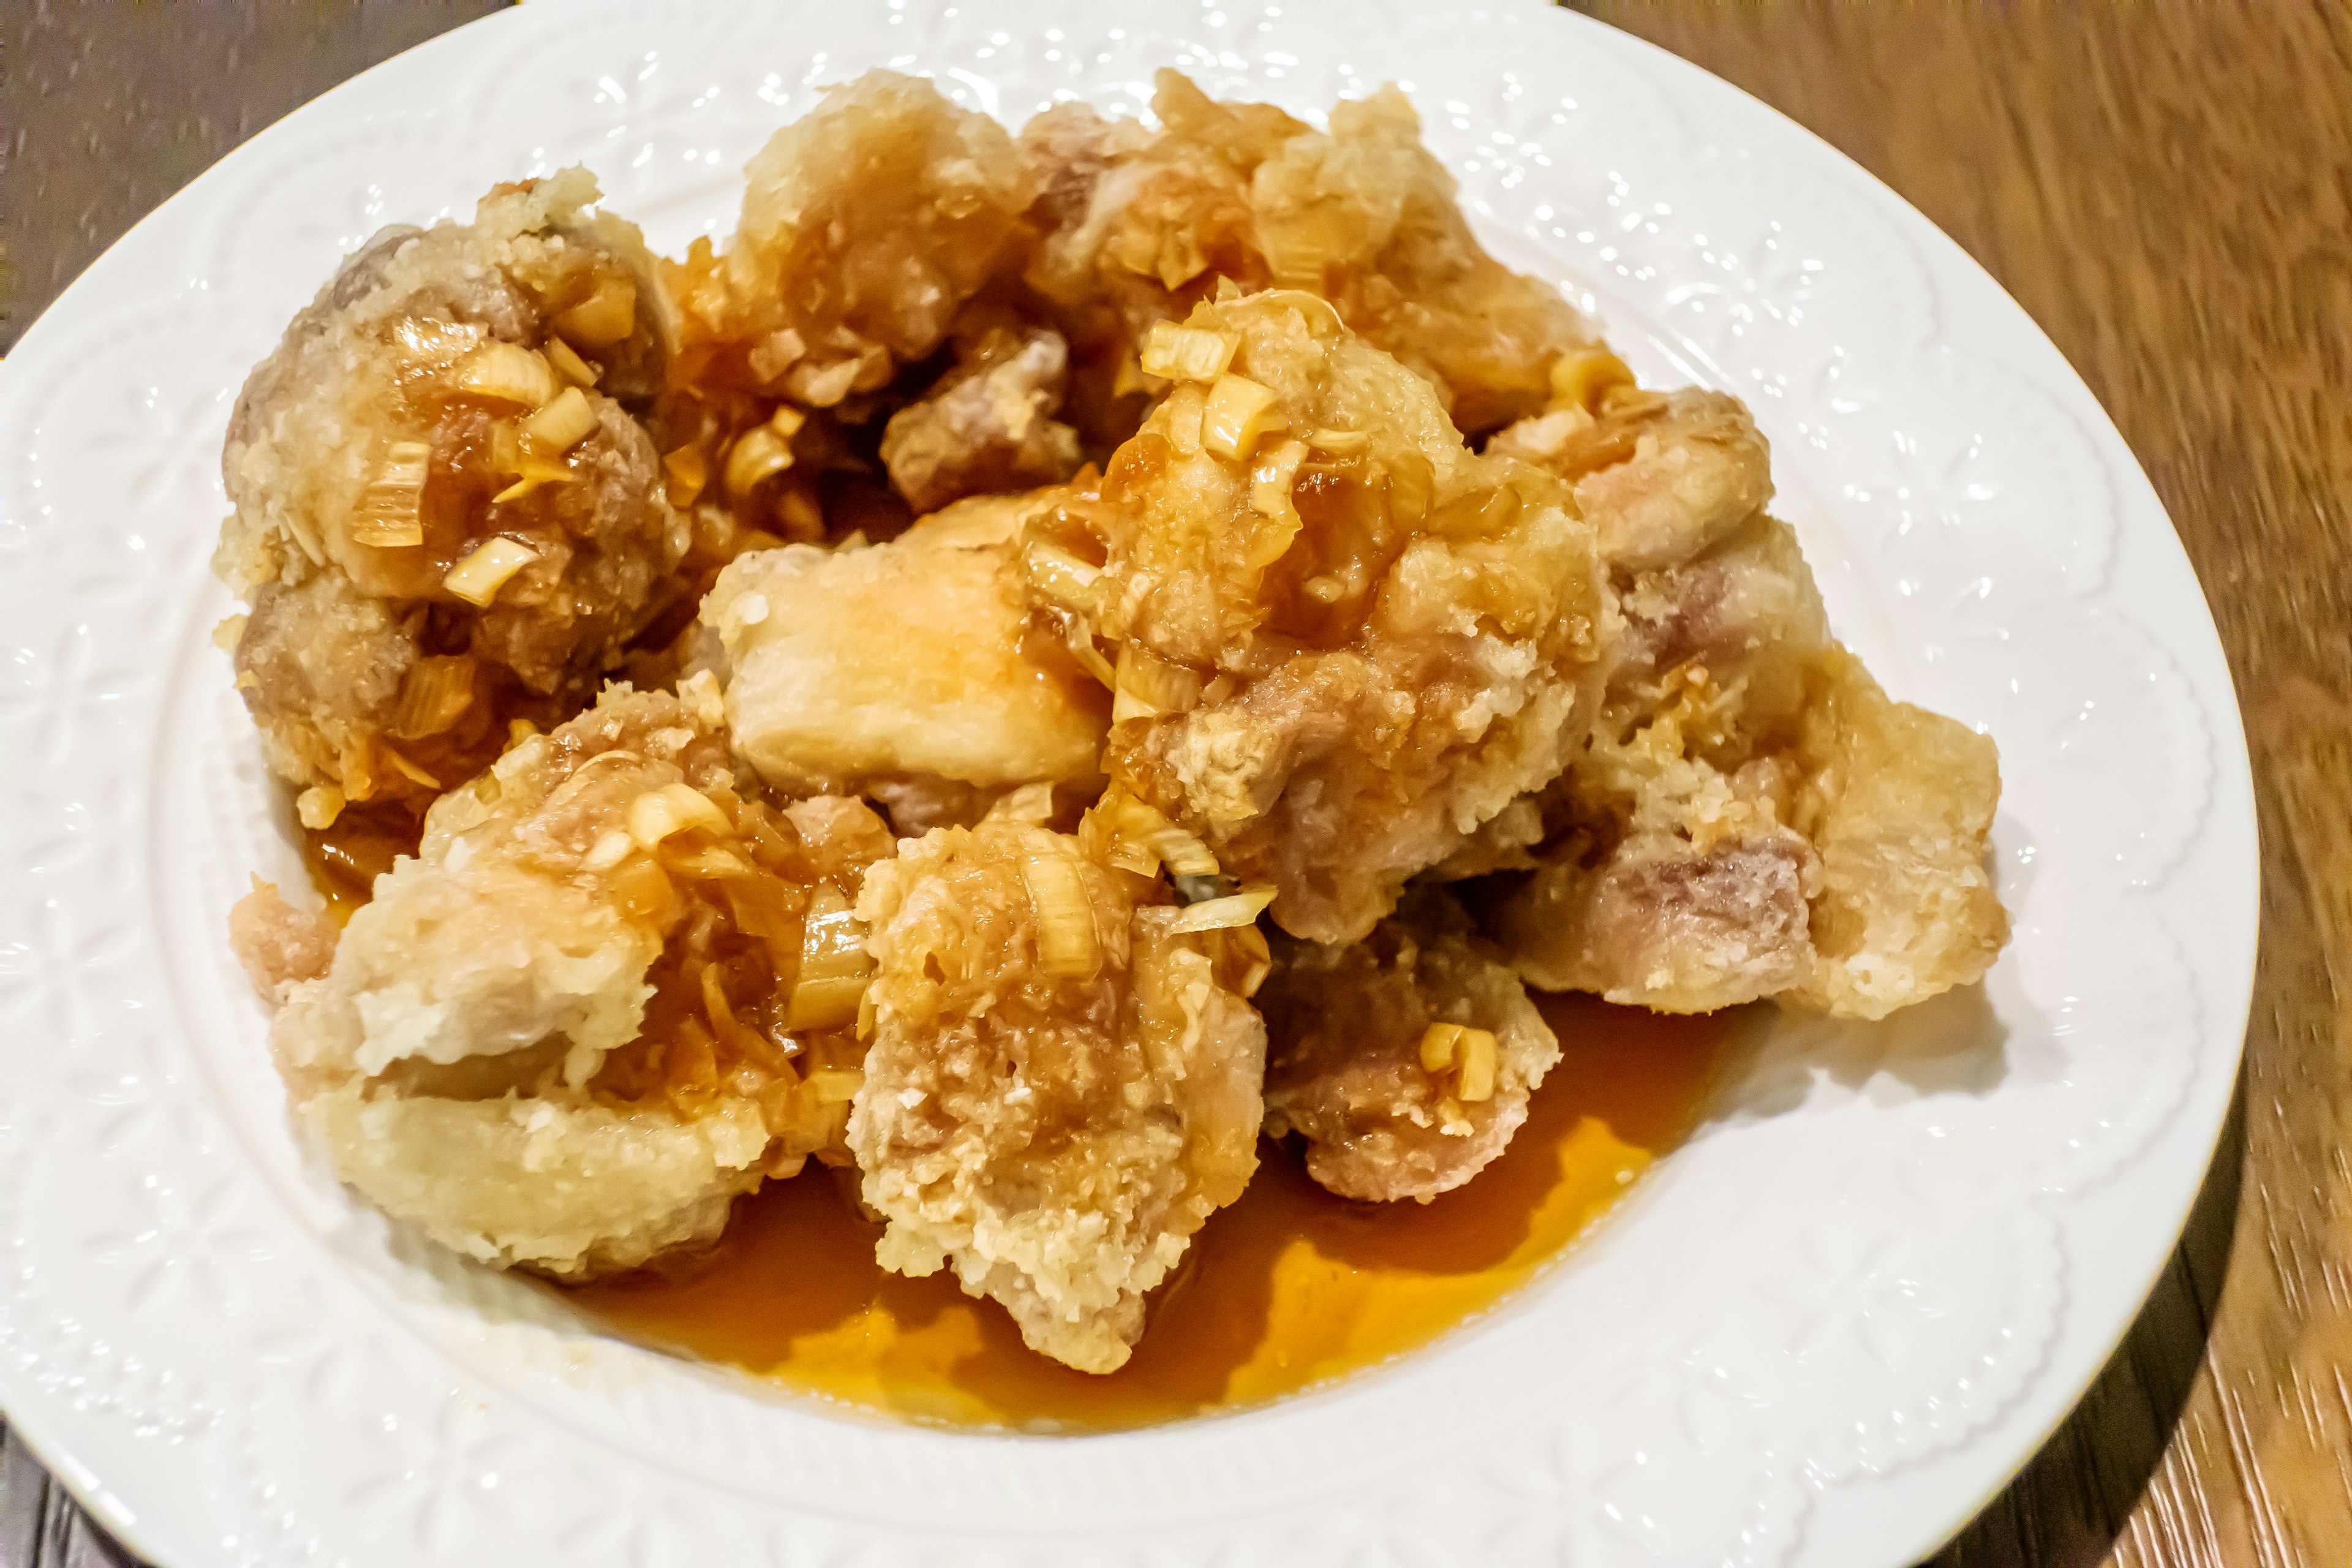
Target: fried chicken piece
point(1739, 749)
point(1063, 1083)
point(1660, 476)
point(1343, 640)
point(608, 994)
point(443, 517)
point(1405, 1060)
point(987, 425)
point(1141, 223)
point(868, 223)
point(1898, 802)
point(908, 670)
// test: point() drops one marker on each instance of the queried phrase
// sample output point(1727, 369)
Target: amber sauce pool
point(345, 860)
point(1288, 1288)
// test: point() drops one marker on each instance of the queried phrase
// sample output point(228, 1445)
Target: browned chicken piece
point(1063, 1083)
point(1660, 476)
point(988, 424)
point(1141, 225)
point(446, 517)
point(1342, 640)
point(868, 223)
point(609, 993)
point(909, 670)
point(1689, 865)
point(1405, 1060)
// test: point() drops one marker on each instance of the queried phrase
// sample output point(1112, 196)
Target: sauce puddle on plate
point(1289, 1288)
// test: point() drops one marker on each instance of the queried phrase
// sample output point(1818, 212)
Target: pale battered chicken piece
point(907, 671)
point(1660, 476)
point(987, 425)
point(1142, 223)
point(1063, 1083)
point(443, 518)
point(1405, 1060)
point(1739, 750)
point(609, 993)
point(1343, 642)
point(868, 223)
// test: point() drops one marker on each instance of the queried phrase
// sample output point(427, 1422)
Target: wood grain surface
point(2168, 190)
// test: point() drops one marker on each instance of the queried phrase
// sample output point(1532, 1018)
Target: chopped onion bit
point(1031, 803)
point(388, 516)
point(1271, 479)
point(1188, 353)
point(1582, 377)
point(1219, 914)
point(1080, 634)
point(508, 372)
point(673, 808)
point(562, 425)
point(611, 847)
point(688, 471)
point(1339, 442)
point(834, 965)
point(569, 365)
point(1059, 576)
point(759, 453)
point(833, 1085)
point(1238, 413)
point(604, 318)
point(478, 577)
point(1145, 686)
point(433, 695)
point(1066, 943)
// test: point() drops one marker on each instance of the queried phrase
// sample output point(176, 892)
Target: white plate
point(1822, 1333)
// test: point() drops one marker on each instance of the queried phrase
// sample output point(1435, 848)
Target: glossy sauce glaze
point(1289, 1288)
point(345, 859)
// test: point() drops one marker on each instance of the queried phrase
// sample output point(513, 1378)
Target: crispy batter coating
point(1344, 1027)
point(395, 431)
point(1139, 224)
point(900, 669)
point(569, 1032)
point(1660, 476)
point(868, 223)
point(278, 945)
point(1344, 649)
point(1062, 1086)
point(1688, 865)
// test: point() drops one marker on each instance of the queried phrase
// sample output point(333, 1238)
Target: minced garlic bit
point(1470, 1055)
point(318, 806)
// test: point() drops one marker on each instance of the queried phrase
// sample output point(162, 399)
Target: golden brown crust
point(1061, 1088)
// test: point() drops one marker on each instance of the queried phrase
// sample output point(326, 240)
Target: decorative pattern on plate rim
point(1821, 1331)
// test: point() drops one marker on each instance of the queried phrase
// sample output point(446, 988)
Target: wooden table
point(2168, 191)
